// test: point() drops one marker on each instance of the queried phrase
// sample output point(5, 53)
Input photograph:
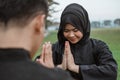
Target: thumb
point(67, 47)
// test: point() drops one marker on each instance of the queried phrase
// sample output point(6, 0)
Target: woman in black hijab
point(83, 57)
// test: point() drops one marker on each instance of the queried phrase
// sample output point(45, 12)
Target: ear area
point(39, 23)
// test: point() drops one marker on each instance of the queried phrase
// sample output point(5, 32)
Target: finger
point(69, 56)
point(48, 52)
point(39, 61)
point(67, 47)
point(48, 55)
point(43, 53)
point(50, 47)
point(64, 63)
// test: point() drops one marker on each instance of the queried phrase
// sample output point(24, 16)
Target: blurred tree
point(117, 22)
point(51, 11)
point(95, 24)
point(107, 23)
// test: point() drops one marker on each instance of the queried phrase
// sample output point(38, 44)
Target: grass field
point(112, 38)
point(109, 35)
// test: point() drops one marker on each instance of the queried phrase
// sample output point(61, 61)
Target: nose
point(71, 34)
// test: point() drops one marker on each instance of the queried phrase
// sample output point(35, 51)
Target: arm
point(104, 69)
point(46, 60)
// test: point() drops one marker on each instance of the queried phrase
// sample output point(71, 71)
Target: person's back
point(18, 66)
point(21, 33)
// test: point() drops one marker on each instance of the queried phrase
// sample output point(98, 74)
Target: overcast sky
point(97, 9)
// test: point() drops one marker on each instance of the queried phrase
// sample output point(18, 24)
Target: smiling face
point(72, 34)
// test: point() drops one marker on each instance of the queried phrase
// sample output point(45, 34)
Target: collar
point(13, 54)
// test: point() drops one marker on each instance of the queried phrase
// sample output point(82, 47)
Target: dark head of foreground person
point(84, 57)
point(21, 33)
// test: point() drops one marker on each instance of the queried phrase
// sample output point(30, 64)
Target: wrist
point(74, 68)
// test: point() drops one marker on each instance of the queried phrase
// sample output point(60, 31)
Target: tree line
point(106, 23)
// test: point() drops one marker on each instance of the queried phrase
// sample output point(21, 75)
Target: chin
point(74, 42)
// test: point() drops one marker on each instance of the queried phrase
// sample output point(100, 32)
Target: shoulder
point(54, 74)
point(98, 43)
point(100, 46)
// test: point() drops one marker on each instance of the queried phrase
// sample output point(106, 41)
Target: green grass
point(109, 35)
point(112, 38)
point(52, 37)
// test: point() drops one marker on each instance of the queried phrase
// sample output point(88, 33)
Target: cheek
point(65, 34)
point(42, 34)
point(39, 39)
point(79, 35)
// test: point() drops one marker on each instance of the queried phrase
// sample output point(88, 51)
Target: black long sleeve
point(95, 61)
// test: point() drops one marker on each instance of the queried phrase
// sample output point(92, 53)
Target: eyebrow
point(70, 29)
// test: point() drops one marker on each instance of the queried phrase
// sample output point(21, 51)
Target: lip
point(72, 39)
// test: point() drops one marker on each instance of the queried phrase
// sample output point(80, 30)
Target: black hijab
point(77, 16)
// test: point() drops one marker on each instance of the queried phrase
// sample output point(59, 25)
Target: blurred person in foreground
point(84, 57)
point(21, 33)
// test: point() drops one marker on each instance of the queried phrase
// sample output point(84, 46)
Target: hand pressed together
point(46, 56)
point(68, 60)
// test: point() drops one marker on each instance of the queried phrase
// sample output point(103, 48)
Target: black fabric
point(5, 54)
point(94, 59)
point(15, 64)
point(93, 56)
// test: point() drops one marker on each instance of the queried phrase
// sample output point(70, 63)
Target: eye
point(66, 30)
point(75, 30)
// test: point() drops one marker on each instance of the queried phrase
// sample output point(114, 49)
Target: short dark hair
point(20, 9)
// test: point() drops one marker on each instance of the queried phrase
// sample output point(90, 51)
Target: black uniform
point(15, 64)
point(93, 56)
point(95, 60)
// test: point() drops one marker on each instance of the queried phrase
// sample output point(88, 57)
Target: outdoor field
point(109, 35)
